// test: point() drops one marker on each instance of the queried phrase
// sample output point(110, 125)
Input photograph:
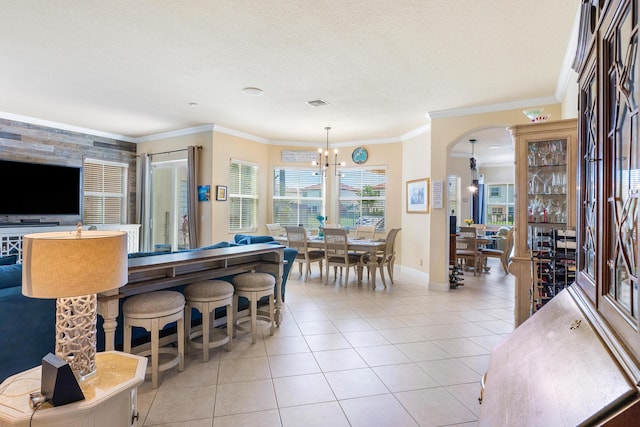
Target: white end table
point(110, 396)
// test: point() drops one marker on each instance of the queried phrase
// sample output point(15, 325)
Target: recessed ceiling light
point(252, 91)
point(494, 147)
point(193, 104)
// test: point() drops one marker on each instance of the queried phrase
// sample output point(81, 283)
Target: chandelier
point(473, 167)
point(324, 165)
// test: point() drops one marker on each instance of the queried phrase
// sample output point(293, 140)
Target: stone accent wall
point(40, 144)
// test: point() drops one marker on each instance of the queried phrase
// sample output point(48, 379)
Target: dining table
point(482, 242)
point(354, 244)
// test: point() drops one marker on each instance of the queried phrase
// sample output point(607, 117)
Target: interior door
point(169, 226)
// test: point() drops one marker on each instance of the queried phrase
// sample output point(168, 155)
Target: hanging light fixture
point(324, 165)
point(473, 167)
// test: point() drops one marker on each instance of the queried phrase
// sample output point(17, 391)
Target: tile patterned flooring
point(348, 356)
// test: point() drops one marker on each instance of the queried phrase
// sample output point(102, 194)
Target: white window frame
point(122, 196)
point(298, 198)
point(235, 196)
point(382, 198)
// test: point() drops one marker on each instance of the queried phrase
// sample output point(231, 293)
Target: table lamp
point(73, 267)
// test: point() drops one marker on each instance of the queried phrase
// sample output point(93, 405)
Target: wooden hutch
point(576, 361)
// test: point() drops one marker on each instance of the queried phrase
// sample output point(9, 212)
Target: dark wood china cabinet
point(577, 360)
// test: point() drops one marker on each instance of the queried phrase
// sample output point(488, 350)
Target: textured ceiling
point(132, 68)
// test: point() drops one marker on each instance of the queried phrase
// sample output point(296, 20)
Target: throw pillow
point(10, 276)
point(8, 260)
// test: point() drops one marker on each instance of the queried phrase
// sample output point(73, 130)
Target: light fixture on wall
point(473, 168)
point(323, 166)
point(73, 267)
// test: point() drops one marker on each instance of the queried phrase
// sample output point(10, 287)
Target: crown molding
point(64, 126)
point(492, 108)
point(175, 133)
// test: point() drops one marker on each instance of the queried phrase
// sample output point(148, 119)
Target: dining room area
point(346, 354)
point(337, 248)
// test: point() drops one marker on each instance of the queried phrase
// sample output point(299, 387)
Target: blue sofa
point(27, 325)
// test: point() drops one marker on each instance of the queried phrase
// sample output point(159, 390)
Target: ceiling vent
point(317, 102)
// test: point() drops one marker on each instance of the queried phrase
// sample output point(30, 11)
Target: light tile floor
point(348, 356)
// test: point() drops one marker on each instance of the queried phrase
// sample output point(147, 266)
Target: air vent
point(317, 102)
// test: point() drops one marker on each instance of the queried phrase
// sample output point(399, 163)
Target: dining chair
point(297, 239)
point(336, 252)
point(467, 248)
point(503, 254)
point(386, 258)
point(366, 232)
point(275, 230)
point(481, 229)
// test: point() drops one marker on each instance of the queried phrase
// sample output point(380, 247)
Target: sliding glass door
point(169, 225)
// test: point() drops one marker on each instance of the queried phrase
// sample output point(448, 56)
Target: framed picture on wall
point(204, 193)
point(221, 192)
point(418, 196)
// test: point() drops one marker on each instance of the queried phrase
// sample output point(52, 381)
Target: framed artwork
point(204, 193)
point(221, 192)
point(418, 196)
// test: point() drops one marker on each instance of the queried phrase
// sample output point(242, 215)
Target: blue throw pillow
point(242, 239)
point(10, 276)
point(8, 260)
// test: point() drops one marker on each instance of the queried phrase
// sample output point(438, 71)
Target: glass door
point(169, 226)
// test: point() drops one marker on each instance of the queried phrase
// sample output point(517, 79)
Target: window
point(243, 196)
point(362, 197)
point(297, 196)
point(500, 205)
point(105, 192)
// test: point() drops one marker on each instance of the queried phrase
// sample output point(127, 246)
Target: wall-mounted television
point(32, 190)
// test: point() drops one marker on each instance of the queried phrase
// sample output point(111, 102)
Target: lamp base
point(76, 319)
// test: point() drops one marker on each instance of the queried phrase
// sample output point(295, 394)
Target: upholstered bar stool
point(254, 286)
point(205, 297)
point(153, 311)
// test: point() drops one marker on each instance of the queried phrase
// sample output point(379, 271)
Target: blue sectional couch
point(27, 325)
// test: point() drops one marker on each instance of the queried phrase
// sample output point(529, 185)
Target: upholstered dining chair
point(336, 252)
point(503, 254)
point(467, 248)
point(297, 239)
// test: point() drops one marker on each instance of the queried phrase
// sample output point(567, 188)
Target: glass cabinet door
point(547, 166)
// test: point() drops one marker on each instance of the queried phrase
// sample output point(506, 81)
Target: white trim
point(63, 126)
point(416, 132)
point(569, 55)
point(491, 108)
point(239, 134)
point(175, 133)
point(245, 163)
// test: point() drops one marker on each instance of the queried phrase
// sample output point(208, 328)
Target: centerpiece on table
point(321, 219)
point(469, 222)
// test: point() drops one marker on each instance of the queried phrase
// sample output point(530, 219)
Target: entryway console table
point(11, 237)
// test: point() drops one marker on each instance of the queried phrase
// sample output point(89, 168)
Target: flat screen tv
point(39, 190)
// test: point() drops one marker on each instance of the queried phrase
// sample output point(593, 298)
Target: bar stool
point(205, 297)
point(153, 311)
point(254, 286)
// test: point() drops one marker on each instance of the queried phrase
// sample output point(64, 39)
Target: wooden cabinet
point(545, 163)
point(577, 360)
